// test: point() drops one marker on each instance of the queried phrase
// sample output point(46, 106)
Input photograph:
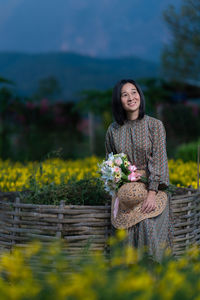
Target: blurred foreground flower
point(47, 271)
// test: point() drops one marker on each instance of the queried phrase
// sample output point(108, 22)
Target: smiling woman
point(143, 139)
point(130, 99)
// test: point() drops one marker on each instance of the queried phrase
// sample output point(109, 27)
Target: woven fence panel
point(197, 220)
point(83, 226)
point(78, 226)
point(184, 211)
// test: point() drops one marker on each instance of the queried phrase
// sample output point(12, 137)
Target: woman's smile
point(132, 103)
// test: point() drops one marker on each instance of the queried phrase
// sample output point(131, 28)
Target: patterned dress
point(144, 142)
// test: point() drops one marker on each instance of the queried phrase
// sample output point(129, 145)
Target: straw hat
point(131, 196)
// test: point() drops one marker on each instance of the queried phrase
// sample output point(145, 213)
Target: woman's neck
point(132, 115)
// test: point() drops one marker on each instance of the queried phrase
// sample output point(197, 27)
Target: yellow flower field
point(182, 173)
point(40, 272)
point(14, 176)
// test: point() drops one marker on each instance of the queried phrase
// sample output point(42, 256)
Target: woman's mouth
point(132, 103)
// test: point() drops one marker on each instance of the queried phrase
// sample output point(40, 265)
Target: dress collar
point(136, 121)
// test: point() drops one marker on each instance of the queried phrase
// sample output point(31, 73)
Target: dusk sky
point(105, 28)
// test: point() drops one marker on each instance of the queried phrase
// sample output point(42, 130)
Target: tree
point(6, 98)
point(96, 103)
point(48, 87)
point(156, 92)
point(4, 80)
point(181, 58)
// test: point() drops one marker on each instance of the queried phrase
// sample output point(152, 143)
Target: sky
point(105, 28)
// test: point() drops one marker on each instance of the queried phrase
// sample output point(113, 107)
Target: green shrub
point(188, 152)
point(87, 191)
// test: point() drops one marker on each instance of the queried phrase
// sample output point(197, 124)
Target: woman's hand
point(150, 203)
point(138, 176)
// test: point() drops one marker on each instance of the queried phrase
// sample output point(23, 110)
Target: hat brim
point(128, 217)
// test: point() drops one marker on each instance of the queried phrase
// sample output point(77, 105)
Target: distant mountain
point(106, 28)
point(73, 71)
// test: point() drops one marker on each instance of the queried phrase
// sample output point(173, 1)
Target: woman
point(143, 139)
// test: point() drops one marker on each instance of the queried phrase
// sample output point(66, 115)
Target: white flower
point(111, 173)
point(111, 156)
point(109, 163)
point(118, 161)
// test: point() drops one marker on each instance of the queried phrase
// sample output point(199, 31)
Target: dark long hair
point(118, 112)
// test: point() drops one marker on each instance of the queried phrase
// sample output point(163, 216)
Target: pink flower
point(132, 168)
point(118, 161)
point(83, 126)
point(30, 105)
point(44, 105)
point(117, 170)
point(132, 176)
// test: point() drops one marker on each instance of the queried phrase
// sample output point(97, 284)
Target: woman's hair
point(118, 112)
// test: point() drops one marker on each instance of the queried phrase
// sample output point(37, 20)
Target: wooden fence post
point(60, 217)
point(188, 241)
point(107, 231)
point(16, 219)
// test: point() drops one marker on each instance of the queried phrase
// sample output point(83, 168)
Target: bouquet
point(117, 170)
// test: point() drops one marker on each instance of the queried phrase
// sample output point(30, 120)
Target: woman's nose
point(130, 97)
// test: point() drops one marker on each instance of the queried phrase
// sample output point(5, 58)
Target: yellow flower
point(15, 176)
point(121, 234)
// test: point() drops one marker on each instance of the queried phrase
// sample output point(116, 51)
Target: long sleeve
point(109, 144)
point(158, 162)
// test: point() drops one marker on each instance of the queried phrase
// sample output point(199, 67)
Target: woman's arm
point(158, 162)
point(109, 143)
point(158, 166)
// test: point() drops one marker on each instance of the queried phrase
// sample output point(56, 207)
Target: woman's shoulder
point(156, 127)
point(153, 122)
point(113, 126)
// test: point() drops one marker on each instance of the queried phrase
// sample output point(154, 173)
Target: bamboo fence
point(186, 214)
point(78, 225)
point(81, 226)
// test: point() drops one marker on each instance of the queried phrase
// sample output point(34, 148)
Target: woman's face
point(130, 98)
